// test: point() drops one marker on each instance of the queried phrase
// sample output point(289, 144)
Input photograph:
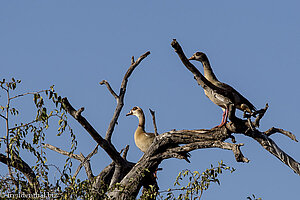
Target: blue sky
point(252, 45)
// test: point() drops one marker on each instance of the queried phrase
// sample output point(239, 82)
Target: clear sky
point(252, 45)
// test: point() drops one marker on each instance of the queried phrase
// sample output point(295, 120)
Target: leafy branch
point(197, 182)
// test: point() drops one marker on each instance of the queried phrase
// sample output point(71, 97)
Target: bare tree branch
point(109, 88)
point(261, 113)
point(3, 117)
point(120, 97)
point(201, 80)
point(116, 176)
point(273, 130)
point(173, 153)
point(125, 151)
point(84, 161)
point(63, 152)
point(20, 95)
point(87, 165)
point(268, 144)
point(108, 147)
point(154, 122)
point(4, 88)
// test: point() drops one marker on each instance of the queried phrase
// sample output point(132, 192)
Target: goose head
point(137, 111)
point(199, 56)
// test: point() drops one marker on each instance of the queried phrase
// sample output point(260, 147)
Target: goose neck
point(141, 118)
point(208, 72)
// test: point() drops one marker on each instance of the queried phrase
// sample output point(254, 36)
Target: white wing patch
point(219, 97)
point(149, 134)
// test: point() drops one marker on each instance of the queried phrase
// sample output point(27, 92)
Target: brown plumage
point(239, 101)
point(142, 139)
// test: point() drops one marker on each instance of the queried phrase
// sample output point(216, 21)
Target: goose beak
point(192, 58)
point(130, 113)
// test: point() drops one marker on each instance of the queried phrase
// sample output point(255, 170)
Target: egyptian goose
point(142, 139)
point(239, 101)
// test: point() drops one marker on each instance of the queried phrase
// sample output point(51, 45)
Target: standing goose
point(142, 139)
point(239, 101)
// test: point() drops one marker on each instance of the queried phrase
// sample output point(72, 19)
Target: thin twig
point(109, 88)
point(20, 95)
point(81, 158)
point(63, 152)
point(154, 122)
point(4, 88)
point(3, 116)
point(51, 165)
point(23, 125)
point(125, 151)
point(261, 113)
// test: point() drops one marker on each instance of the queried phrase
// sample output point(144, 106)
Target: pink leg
point(222, 122)
point(224, 119)
point(223, 116)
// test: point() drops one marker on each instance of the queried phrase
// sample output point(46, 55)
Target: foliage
point(197, 182)
point(29, 137)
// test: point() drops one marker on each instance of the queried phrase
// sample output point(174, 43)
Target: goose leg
point(222, 122)
point(224, 118)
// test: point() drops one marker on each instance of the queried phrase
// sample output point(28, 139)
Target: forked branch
point(120, 97)
point(84, 161)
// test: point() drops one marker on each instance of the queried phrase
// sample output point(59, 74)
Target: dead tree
point(130, 177)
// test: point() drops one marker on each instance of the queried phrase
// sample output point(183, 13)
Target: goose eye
point(198, 54)
point(134, 108)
